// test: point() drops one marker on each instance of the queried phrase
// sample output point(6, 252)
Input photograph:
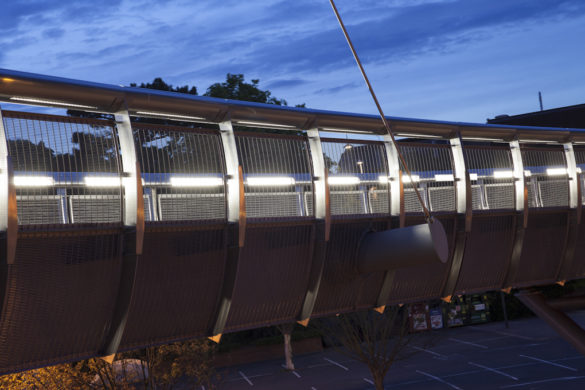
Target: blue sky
point(460, 60)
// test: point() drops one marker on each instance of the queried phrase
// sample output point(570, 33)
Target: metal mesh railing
point(358, 176)
point(277, 172)
point(183, 172)
point(431, 166)
point(66, 170)
point(546, 174)
point(491, 171)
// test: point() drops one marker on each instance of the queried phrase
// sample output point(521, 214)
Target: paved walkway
point(528, 355)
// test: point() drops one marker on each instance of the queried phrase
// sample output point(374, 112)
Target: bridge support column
point(396, 206)
point(132, 237)
point(235, 230)
point(521, 206)
point(464, 214)
point(556, 319)
point(322, 211)
point(574, 219)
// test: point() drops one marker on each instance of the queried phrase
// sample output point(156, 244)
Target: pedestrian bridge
point(123, 231)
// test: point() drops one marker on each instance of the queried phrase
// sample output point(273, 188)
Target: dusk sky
point(459, 60)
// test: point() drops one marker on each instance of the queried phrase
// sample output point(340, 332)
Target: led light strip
point(50, 102)
point(167, 115)
point(268, 181)
point(195, 181)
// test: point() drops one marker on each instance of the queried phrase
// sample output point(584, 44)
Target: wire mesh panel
point(487, 253)
point(66, 170)
point(183, 171)
point(431, 165)
point(273, 273)
point(358, 176)
point(546, 174)
point(177, 286)
point(492, 176)
point(60, 294)
point(277, 173)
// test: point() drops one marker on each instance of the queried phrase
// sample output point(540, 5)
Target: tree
point(375, 339)
point(236, 88)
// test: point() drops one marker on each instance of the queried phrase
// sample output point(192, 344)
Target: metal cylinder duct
point(410, 246)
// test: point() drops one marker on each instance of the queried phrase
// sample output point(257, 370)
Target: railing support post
point(464, 214)
point(521, 206)
point(133, 235)
point(322, 211)
point(573, 219)
point(235, 230)
point(396, 212)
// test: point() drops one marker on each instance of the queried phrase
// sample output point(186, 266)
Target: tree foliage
point(234, 87)
point(186, 365)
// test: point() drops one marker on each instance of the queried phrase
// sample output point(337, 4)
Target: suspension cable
point(426, 211)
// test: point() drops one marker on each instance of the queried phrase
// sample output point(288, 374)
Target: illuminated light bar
point(556, 171)
point(167, 115)
point(444, 177)
point(383, 179)
point(481, 139)
point(102, 181)
point(412, 135)
point(527, 173)
point(263, 124)
point(348, 146)
point(503, 174)
point(270, 181)
point(343, 180)
point(33, 181)
point(579, 170)
point(406, 178)
point(473, 176)
point(196, 181)
point(50, 102)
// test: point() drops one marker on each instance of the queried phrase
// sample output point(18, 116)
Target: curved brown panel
point(273, 274)
point(485, 264)
point(177, 286)
point(543, 249)
point(577, 268)
point(60, 295)
point(415, 284)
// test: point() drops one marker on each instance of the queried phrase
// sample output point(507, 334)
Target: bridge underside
point(181, 217)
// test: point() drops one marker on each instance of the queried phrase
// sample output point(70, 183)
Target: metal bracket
point(235, 229)
point(322, 211)
point(464, 213)
point(521, 206)
point(133, 235)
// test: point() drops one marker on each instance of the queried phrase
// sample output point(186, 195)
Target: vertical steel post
point(8, 211)
point(235, 230)
point(322, 211)
point(573, 219)
point(521, 206)
point(464, 210)
point(8, 214)
point(394, 184)
point(133, 235)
